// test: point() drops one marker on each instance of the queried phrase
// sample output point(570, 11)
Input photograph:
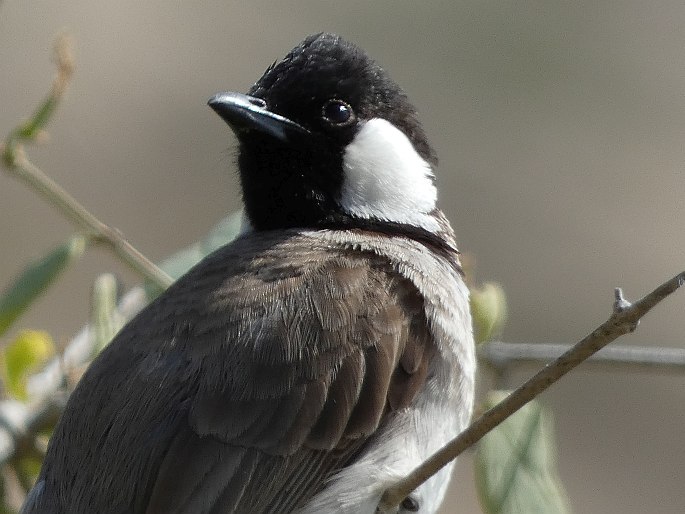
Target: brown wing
point(255, 377)
point(300, 359)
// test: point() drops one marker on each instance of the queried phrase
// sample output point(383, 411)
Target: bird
point(310, 363)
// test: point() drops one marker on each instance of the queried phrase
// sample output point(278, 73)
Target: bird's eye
point(338, 113)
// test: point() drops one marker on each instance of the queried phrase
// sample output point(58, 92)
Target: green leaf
point(30, 129)
point(105, 318)
point(488, 310)
point(25, 355)
point(36, 278)
point(515, 464)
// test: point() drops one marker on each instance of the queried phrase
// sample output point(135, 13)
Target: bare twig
point(18, 165)
point(623, 320)
point(99, 231)
point(502, 356)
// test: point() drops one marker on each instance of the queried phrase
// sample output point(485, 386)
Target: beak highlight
point(244, 112)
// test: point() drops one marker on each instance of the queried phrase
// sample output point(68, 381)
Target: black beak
point(243, 112)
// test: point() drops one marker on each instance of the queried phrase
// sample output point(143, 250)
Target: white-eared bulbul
point(313, 361)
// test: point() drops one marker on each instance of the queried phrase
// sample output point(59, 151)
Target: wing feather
point(251, 380)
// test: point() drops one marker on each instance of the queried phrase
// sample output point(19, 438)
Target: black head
point(309, 156)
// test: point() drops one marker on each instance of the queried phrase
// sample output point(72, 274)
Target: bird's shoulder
point(293, 316)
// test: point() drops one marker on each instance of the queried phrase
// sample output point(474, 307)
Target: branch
point(18, 165)
point(623, 320)
point(501, 356)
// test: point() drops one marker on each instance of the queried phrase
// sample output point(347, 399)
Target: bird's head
point(327, 139)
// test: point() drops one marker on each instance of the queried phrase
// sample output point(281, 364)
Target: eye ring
point(338, 113)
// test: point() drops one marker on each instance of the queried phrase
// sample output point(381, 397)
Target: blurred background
point(559, 127)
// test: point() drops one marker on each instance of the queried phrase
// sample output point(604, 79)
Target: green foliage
point(29, 351)
point(36, 278)
point(515, 464)
point(488, 310)
point(32, 127)
point(105, 319)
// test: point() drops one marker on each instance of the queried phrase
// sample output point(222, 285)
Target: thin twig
point(623, 320)
point(37, 180)
point(18, 165)
point(502, 356)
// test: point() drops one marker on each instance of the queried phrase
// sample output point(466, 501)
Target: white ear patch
point(386, 179)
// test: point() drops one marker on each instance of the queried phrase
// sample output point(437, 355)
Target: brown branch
point(623, 320)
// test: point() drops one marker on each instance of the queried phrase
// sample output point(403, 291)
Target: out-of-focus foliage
point(222, 233)
point(36, 278)
point(25, 355)
point(488, 310)
point(515, 464)
point(105, 319)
